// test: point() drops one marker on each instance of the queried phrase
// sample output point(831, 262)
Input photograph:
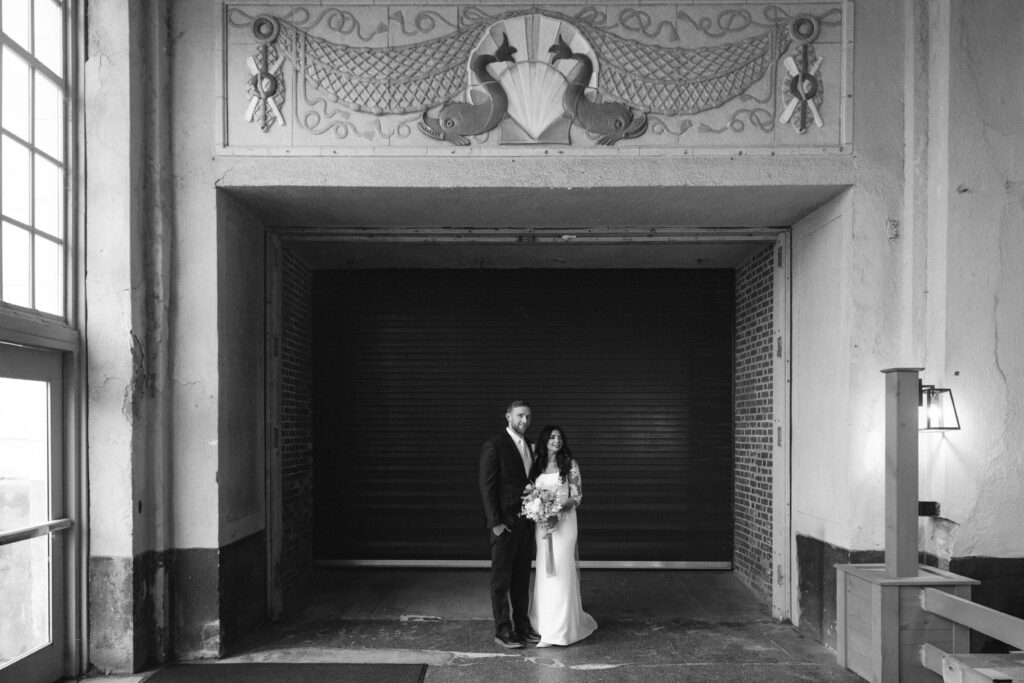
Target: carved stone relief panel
point(768, 78)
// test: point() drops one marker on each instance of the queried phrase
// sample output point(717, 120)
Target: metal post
point(901, 406)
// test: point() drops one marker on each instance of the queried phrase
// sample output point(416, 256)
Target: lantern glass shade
point(937, 412)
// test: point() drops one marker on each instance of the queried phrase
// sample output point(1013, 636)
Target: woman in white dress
point(557, 610)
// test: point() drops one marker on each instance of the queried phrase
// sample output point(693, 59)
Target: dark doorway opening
point(412, 370)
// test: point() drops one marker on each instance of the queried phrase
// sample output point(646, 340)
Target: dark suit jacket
point(502, 480)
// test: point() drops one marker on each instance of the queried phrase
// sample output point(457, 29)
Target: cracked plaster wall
point(126, 328)
point(113, 349)
point(109, 281)
point(957, 287)
point(846, 315)
point(977, 474)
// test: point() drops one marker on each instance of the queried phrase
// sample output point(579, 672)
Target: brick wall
point(296, 423)
point(752, 553)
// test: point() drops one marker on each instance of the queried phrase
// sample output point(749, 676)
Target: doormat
point(278, 672)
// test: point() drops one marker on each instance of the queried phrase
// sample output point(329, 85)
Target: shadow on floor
point(653, 625)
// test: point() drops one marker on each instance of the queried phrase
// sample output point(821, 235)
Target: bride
point(557, 610)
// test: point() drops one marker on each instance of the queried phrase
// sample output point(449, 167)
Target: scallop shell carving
point(534, 95)
point(533, 85)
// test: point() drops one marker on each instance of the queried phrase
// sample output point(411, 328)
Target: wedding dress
point(556, 611)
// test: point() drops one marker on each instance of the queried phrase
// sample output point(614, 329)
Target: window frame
point(27, 324)
point(63, 336)
point(46, 367)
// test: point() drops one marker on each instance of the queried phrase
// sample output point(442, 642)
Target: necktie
point(527, 460)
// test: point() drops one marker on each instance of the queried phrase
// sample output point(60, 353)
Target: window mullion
point(33, 47)
point(29, 57)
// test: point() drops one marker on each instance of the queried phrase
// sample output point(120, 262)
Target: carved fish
point(458, 120)
point(613, 121)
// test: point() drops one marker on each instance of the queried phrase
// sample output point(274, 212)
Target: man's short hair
point(516, 404)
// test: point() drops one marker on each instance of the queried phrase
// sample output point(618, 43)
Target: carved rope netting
point(683, 81)
point(382, 80)
point(412, 78)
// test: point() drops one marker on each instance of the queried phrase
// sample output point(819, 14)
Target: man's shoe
point(531, 636)
point(508, 641)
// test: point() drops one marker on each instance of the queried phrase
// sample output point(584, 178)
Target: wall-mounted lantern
point(936, 411)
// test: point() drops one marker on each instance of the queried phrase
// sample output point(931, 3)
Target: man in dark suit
point(504, 465)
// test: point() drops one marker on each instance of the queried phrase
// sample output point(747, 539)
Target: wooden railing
point(974, 668)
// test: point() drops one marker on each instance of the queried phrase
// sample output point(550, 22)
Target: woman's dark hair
point(563, 457)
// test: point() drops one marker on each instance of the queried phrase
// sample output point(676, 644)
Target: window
point(32, 516)
point(41, 364)
point(33, 168)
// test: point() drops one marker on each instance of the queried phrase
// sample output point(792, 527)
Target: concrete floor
point(653, 626)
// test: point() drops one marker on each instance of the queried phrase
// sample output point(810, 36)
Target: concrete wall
point(242, 561)
point(157, 516)
point(821, 367)
point(942, 290)
point(976, 299)
point(978, 252)
point(241, 360)
point(126, 328)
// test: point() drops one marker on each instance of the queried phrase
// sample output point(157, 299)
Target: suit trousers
point(511, 555)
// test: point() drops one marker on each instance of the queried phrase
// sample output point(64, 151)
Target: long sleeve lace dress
point(557, 609)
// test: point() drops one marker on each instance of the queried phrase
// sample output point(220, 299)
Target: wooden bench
point(974, 668)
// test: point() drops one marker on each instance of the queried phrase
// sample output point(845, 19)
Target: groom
point(504, 464)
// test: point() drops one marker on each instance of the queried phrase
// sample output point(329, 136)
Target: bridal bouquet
point(541, 506)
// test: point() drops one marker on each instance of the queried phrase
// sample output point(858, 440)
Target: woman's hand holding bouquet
point(542, 506)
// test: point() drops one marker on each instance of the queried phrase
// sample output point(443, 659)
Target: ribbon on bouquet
point(549, 561)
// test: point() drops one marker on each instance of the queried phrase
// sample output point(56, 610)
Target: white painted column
point(901, 399)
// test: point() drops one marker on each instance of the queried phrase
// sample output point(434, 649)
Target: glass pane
point(49, 282)
point(25, 595)
point(15, 180)
point(24, 454)
point(16, 15)
point(49, 195)
point(49, 30)
point(49, 110)
point(16, 245)
point(17, 95)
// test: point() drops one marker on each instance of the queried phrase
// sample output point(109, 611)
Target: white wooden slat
point(931, 658)
point(992, 623)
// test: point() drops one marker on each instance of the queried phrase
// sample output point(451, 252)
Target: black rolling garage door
point(413, 370)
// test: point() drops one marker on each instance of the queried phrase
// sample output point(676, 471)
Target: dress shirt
point(524, 448)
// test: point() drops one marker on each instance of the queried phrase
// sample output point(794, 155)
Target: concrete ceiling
point(490, 227)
